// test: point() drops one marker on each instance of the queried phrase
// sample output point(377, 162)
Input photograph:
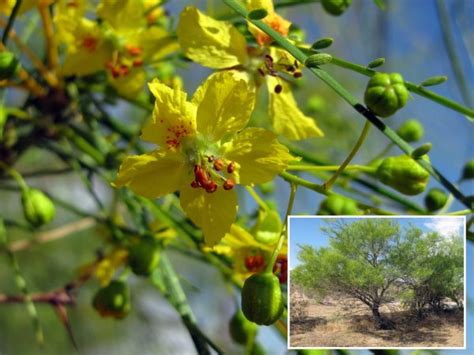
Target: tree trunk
point(381, 322)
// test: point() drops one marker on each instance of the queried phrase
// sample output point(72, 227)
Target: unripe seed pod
point(411, 131)
point(338, 205)
point(262, 301)
point(38, 209)
point(144, 257)
point(8, 65)
point(241, 329)
point(435, 199)
point(336, 7)
point(113, 300)
point(403, 174)
point(468, 170)
point(385, 94)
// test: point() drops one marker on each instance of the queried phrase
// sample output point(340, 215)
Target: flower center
point(90, 43)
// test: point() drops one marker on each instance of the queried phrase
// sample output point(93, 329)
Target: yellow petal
point(173, 117)
point(154, 174)
point(122, 15)
point(131, 84)
point(157, 43)
point(212, 43)
point(213, 212)
point(258, 155)
point(286, 117)
point(225, 102)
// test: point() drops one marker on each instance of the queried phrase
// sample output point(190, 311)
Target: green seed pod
point(268, 227)
point(8, 65)
point(421, 150)
point(262, 301)
point(385, 94)
point(113, 300)
point(257, 14)
point(376, 63)
point(435, 199)
point(144, 257)
point(468, 170)
point(336, 7)
point(338, 206)
point(241, 329)
point(316, 60)
point(322, 43)
point(403, 174)
point(38, 209)
point(411, 131)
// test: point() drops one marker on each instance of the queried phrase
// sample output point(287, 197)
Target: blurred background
point(407, 33)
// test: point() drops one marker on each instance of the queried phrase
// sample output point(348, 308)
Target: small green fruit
point(262, 301)
point(268, 227)
point(338, 205)
point(411, 131)
point(8, 65)
point(37, 207)
point(336, 7)
point(241, 329)
point(435, 199)
point(144, 257)
point(113, 300)
point(403, 174)
point(385, 94)
point(468, 170)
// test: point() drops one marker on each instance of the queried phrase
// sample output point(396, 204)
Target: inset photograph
point(374, 282)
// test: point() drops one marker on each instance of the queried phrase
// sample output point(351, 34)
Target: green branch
point(300, 56)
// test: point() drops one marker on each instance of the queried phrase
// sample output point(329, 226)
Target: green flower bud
point(434, 80)
point(322, 43)
point(411, 131)
point(336, 7)
point(468, 170)
point(385, 94)
point(435, 199)
point(144, 257)
point(403, 174)
point(113, 300)
point(376, 63)
point(241, 329)
point(268, 227)
point(8, 65)
point(37, 207)
point(421, 151)
point(338, 205)
point(316, 60)
point(262, 301)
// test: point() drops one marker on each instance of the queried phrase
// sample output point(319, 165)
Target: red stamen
point(229, 184)
point(231, 167)
point(218, 164)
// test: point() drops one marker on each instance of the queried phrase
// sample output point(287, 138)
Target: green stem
point(15, 175)
point(257, 198)
point(11, 21)
point(448, 37)
point(276, 251)
point(364, 168)
point(365, 131)
point(300, 56)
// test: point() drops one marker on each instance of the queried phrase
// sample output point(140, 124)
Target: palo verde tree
point(357, 262)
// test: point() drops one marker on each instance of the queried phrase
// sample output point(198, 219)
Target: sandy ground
point(347, 323)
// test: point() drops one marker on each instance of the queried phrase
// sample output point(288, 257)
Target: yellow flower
point(218, 45)
point(204, 150)
point(272, 19)
point(121, 43)
point(107, 267)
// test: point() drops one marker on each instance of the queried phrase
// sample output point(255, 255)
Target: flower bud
point(268, 227)
point(113, 300)
point(421, 150)
point(8, 65)
point(434, 80)
point(144, 257)
point(241, 329)
point(468, 170)
point(316, 60)
point(37, 207)
point(435, 199)
point(339, 206)
point(376, 63)
point(322, 43)
point(262, 301)
point(336, 7)
point(411, 131)
point(385, 94)
point(403, 174)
